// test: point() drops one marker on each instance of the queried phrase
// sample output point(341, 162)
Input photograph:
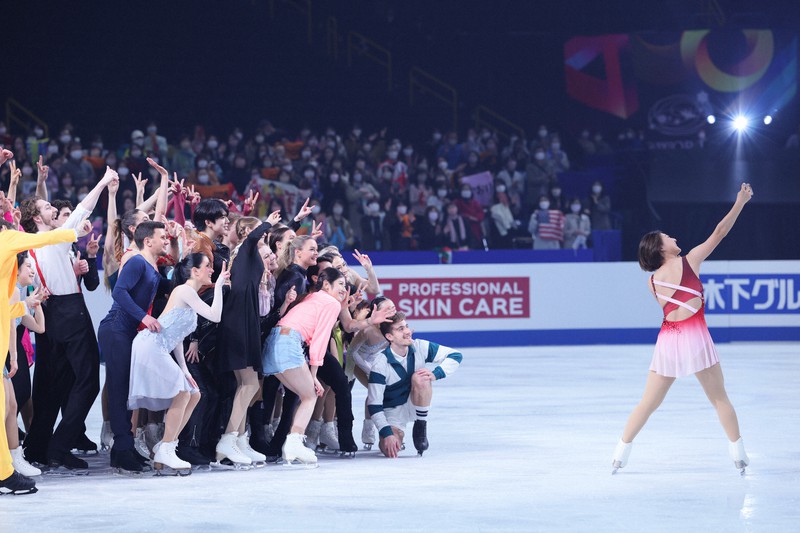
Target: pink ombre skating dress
point(684, 346)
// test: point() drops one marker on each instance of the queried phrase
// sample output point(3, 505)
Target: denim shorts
point(283, 351)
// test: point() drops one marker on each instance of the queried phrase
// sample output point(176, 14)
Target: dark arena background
point(445, 139)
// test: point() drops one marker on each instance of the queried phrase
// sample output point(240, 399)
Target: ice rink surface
point(521, 440)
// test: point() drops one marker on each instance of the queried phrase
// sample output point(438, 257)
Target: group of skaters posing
point(231, 341)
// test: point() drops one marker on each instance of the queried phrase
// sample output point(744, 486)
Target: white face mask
point(501, 188)
point(544, 205)
point(334, 178)
point(441, 193)
point(408, 152)
point(539, 156)
point(443, 165)
point(466, 194)
point(203, 178)
point(212, 144)
point(543, 132)
point(27, 171)
point(76, 154)
point(338, 210)
point(433, 216)
point(122, 171)
point(308, 173)
point(202, 163)
point(556, 146)
point(38, 132)
point(306, 154)
point(315, 209)
point(402, 210)
point(437, 137)
point(575, 208)
point(597, 189)
point(138, 142)
point(373, 208)
point(556, 192)
point(52, 149)
point(392, 154)
point(65, 139)
point(259, 139)
point(357, 178)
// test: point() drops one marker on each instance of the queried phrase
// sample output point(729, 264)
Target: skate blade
point(297, 464)
point(230, 466)
point(105, 448)
point(18, 492)
point(368, 446)
point(201, 468)
point(169, 472)
point(84, 453)
point(63, 472)
point(347, 455)
point(126, 473)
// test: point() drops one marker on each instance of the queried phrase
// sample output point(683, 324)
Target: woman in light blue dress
point(156, 381)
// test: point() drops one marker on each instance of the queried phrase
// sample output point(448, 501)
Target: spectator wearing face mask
point(455, 229)
point(333, 190)
point(441, 194)
point(472, 166)
point(373, 233)
point(557, 199)
point(418, 193)
point(600, 207)
point(509, 174)
point(67, 191)
point(409, 157)
point(452, 152)
point(183, 161)
point(546, 226)
point(155, 143)
point(539, 175)
point(542, 139)
point(503, 221)
point(558, 156)
point(577, 226)
point(400, 227)
point(473, 214)
point(81, 170)
point(338, 230)
point(204, 174)
point(239, 174)
point(399, 169)
point(430, 234)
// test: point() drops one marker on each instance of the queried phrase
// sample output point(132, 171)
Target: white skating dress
point(155, 376)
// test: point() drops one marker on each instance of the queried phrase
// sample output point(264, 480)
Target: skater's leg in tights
point(175, 416)
point(194, 399)
point(655, 390)
point(329, 406)
point(299, 381)
point(246, 388)
point(714, 386)
point(12, 431)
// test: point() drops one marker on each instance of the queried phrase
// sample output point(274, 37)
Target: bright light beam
point(768, 120)
point(740, 123)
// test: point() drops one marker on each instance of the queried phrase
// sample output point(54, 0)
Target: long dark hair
point(183, 270)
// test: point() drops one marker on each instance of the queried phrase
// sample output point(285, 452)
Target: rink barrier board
point(521, 304)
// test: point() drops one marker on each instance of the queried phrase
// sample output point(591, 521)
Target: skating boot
point(621, 454)
point(140, 445)
point(327, 438)
point(738, 455)
point(65, 460)
point(167, 463)
point(17, 484)
point(106, 437)
point(294, 450)
point(229, 454)
point(312, 433)
point(21, 465)
point(420, 436)
point(84, 445)
point(256, 458)
point(192, 455)
point(347, 446)
point(368, 433)
point(126, 462)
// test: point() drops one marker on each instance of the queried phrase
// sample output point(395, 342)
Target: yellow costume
point(11, 243)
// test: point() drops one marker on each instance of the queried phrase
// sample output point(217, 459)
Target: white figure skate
point(621, 454)
point(294, 450)
point(167, 463)
point(738, 455)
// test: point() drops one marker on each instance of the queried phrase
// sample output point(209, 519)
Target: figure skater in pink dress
point(684, 345)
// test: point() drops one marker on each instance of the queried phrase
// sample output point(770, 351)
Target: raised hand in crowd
point(140, 183)
point(250, 203)
point(93, 246)
point(42, 172)
point(316, 230)
point(274, 217)
point(304, 211)
point(80, 266)
point(35, 298)
point(5, 155)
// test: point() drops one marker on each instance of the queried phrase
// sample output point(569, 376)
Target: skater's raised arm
point(699, 253)
point(447, 359)
point(211, 312)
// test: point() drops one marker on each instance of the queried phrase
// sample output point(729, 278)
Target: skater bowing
point(401, 387)
point(156, 382)
point(684, 345)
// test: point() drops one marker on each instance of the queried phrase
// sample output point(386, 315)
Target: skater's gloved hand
point(392, 446)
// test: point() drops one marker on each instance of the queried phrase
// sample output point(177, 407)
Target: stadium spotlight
point(768, 120)
point(740, 123)
point(711, 119)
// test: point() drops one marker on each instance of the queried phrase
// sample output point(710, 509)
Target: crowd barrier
point(518, 304)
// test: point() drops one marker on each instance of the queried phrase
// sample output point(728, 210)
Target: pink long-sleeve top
point(314, 318)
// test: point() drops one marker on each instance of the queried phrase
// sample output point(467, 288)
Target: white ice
point(521, 440)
